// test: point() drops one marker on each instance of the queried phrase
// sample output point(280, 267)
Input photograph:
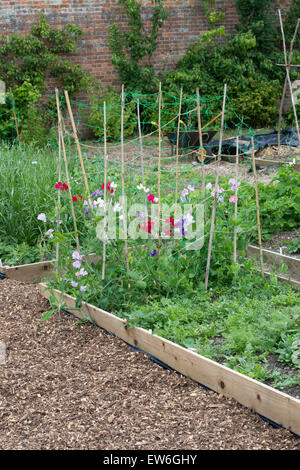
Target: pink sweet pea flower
point(233, 198)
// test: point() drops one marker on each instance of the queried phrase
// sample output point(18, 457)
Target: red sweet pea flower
point(75, 198)
point(61, 186)
point(171, 221)
point(147, 226)
point(151, 198)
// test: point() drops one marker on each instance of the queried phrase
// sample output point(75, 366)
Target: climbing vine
point(27, 63)
point(135, 43)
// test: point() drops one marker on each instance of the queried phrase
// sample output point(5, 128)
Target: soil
point(279, 242)
point(70, 386)
point(286, 154)
point(132, 161)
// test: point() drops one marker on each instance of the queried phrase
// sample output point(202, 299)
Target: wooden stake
point(212, 227)
point(77, 142)
point(286, 81)
point(236, 200)
point(58, 192)
point(141, 147)
point(123, 181)
point(15, 115)
point(201, 143)
point(66, 167)
point(288, 75)
point(257, 209)
point(177, 145)
point(104, 192)
point(159, 162)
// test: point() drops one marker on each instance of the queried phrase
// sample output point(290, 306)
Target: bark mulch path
point(66, 386)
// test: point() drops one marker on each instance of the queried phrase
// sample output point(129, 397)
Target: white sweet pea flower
point(99, 202)
point(189, 219)
point(42, 217)
point(117, 207)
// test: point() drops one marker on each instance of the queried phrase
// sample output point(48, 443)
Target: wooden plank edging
point(276, 259)
point(273, 404)
point(35, 272)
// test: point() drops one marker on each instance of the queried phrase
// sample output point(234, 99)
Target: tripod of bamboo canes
point(288, 78)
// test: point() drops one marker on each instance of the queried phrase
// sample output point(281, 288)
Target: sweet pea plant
point(163, 288)
point(166, 268)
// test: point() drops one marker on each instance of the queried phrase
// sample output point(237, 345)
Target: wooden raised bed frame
point(260, 398)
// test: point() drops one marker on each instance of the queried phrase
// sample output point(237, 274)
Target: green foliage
point(294, 246)
point(290, 21)
point(257, 16)
point(27, 63)
point(254, 84)
point(134, 44)
point(14, 254)
point(113, 112)
point(279, 203)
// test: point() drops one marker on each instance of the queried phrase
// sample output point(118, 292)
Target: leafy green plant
point(134, 44)
point(257, 16)
point(294, 246)
point(95, 116)
point(27, 63)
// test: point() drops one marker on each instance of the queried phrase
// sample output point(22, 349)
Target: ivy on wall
point(27, 63)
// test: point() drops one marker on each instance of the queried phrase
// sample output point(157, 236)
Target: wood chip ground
point(65, 386)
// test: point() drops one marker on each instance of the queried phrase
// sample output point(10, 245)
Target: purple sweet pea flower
point(83, 288)
point(77, 256)
point(98, 192)
point(74, 283)
point(154, 253)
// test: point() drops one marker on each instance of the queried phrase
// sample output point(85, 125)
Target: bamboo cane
point(159, 162)
point(235, 201)
point(177, 146)
point(104, 192)
point(58, 193)
point(123, 181)
point(201, 144)
point(215, 194)
point(257, 209)
point(77, 141)
point(288, 75)
point(66, 167)
point(15, 115)
point(286, 81)
point(141, 147)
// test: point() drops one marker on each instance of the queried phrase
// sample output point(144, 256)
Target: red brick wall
point(185, 22)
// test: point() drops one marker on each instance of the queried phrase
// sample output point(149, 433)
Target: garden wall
point(186, 21)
